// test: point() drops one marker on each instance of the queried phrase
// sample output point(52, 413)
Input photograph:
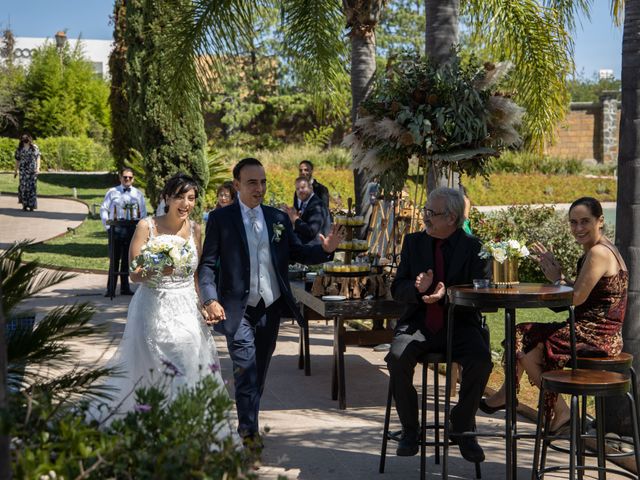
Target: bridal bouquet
point(159, 253)
point(504, 250)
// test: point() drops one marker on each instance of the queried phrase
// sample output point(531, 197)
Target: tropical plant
point(120, 141)
point(33, 354)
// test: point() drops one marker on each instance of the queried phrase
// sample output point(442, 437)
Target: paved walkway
point(308, 437)
point(53, 217)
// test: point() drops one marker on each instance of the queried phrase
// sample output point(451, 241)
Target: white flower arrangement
point(504, 250)
point(159, 253)
point(278, 228)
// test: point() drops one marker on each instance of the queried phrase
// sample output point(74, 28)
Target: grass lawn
point(87, 247)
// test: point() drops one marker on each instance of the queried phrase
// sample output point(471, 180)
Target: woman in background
point(600, 299)
point(28, 166)
point(226, 195)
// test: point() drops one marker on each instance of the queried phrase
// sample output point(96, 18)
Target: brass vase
point(505, 274)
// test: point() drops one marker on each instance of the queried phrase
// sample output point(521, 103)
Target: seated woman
point(600, 299)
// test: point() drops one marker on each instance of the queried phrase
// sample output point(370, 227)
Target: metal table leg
point(510, 382)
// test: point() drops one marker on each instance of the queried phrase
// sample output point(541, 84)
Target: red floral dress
point(598, 326)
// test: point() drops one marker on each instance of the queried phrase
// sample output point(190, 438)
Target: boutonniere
point(278, 228)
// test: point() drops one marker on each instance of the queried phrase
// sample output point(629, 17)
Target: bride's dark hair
point(177, 185)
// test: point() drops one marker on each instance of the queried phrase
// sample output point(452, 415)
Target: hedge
point(62, 153)
point(523, 223)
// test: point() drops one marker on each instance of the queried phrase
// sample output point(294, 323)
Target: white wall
point(96, 51)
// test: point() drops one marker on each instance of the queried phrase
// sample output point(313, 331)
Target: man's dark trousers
point(250, 349)
point(470, 349)
point(119, 247)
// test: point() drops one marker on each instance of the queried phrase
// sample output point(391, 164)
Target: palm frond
point(135, 162)
point(534, 38)
point(570, 10)
point(201, 38)
point(77, 384)
point(21, 280)
point(313, 32)
point(218, 171)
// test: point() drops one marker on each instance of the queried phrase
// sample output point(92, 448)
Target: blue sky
point(597, 42)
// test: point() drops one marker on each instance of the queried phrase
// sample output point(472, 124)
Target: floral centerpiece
point(506, 255)
point(159, 253)
point(447, 115)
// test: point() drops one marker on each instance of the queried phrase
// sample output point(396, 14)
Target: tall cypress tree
point(170, 140)
point(120, 142)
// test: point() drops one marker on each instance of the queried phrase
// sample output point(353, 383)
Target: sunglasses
point(126, 177)
point(431, 213)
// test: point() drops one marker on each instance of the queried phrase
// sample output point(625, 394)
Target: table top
point(376, 308)
point(523, 295)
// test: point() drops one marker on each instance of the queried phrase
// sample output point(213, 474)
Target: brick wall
point(589, 132)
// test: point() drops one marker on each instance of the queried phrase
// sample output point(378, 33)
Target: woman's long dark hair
point(594, 206)
point(177, 185)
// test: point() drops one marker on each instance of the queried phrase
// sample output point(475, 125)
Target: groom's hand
point(335, 237)
point(215, 312)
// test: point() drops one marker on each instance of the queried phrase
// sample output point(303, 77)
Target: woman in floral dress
point(600, 299)
point(28, 166)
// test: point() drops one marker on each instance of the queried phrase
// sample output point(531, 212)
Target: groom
point(244, 283)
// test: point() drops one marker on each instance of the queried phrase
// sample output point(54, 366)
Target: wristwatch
point(209, 302)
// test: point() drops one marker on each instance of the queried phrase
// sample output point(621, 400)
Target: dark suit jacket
point(417, 257)
point(314, 220)
point(318, 189)
point(224, 269)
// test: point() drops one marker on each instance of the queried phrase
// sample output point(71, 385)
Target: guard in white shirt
point(124, 202)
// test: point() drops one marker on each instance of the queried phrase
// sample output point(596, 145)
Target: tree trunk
point(363, 69)
point(5, 463)
point(441, 34)
point(628, 203)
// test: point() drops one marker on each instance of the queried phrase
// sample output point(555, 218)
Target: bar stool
point(434, 359)
point(622, 363)
point(582, 383)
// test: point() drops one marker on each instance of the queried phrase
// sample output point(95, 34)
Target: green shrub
point(62, 153)
point(543, 224)
point(159, 440)
point(527, 162)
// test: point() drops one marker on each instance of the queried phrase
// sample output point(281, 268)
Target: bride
point(165, 332)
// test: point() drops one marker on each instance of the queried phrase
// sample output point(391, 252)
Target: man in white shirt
point(124, 202)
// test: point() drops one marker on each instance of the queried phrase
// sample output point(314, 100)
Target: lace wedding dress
point(165, 336)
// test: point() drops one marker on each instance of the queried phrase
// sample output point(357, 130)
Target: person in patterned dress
point(28, 167)
point(600, 299)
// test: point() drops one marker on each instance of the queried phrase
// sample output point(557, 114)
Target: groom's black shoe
point(126, 292)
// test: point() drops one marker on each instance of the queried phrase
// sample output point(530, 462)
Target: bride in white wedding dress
point(165, 331)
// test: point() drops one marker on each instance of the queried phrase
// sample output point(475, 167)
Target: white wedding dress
point(165, 334)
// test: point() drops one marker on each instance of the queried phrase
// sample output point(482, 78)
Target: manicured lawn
point(86, 248)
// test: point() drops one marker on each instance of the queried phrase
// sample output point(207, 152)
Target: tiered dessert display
point(352, 277)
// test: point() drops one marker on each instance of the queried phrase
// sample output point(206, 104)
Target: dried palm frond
point(492, 74)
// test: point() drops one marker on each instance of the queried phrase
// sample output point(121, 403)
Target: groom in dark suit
point(244, 283)
point(441, 256)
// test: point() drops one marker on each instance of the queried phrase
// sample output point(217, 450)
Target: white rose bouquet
point(159, 253)
point(504, 250)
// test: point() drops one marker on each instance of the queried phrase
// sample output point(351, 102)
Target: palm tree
point(362, 18)
point(628, 208)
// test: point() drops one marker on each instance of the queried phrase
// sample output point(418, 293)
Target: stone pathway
point(53, 217)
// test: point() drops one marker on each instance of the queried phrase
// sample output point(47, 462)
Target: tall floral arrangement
point(447, 116)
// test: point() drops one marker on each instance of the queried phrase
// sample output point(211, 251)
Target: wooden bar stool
point(434, 359)
point(622, 363)
point(583, 383)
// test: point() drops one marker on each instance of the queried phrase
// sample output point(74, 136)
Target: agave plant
point(39, 358)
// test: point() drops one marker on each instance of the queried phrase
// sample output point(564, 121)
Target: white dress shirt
point(263, 279)
point(118, 198)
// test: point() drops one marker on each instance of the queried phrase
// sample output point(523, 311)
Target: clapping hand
point(292, 212)
point(424, 281)
point(335, 237)
point(548, 263)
